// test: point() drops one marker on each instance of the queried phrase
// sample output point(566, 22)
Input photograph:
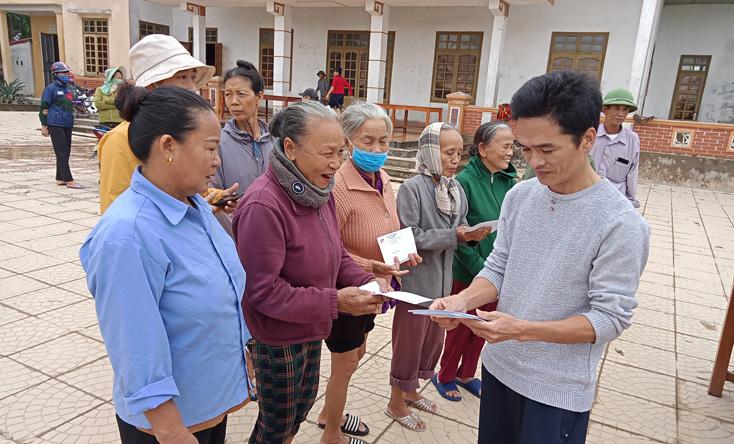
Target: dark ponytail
point(165, 110)
point(248, 71)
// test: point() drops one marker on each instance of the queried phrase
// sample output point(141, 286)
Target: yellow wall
point(118, 28)
point(40, 24)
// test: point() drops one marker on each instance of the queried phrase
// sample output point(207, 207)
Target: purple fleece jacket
point(294, 260)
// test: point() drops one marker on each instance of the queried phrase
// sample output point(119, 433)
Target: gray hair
point(293, 121)
point(359, 112)
point(485, 134)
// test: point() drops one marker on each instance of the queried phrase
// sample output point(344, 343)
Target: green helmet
point(620, 96)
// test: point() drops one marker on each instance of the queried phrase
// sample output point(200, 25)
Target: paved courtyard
point(55, 377)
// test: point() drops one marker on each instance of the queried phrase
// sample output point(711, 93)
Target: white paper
point(446, 314)
point(401, 243)
point(404, 296)
point(490, 223)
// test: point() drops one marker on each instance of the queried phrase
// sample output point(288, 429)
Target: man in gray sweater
point(566, 264)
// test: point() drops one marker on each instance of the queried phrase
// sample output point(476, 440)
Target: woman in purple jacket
point(299, 276)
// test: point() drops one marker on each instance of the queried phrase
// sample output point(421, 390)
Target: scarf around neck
point(294, 183)
point(428, 163)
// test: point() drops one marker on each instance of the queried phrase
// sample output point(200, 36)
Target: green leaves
point(10, 92)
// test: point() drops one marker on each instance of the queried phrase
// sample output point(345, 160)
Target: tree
point(19, 26)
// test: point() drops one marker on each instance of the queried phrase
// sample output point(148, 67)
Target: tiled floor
point(55, 378)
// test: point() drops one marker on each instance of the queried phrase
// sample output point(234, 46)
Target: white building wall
point(694, 30)
point(529, 29)
point(151, 12)
point(22, 59)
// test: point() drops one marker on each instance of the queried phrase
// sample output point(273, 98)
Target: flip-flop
point(474, 386)
point(351, 426)
point(410, 422)
point(443, 388)
point(76, 186)
point(424, 405)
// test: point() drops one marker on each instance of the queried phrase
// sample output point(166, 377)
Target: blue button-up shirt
point(168, 284)
point(618, 160)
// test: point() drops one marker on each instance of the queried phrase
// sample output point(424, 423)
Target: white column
point(198, 23)
point(281, 48)
point(378, 50)
point(642, 55)
point(500, 11)
point(5, 47)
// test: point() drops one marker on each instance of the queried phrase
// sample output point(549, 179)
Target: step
point(403, 152)
point(400, 172)
point(405, 162)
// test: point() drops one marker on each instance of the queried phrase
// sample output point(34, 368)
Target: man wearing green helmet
point(616, 151)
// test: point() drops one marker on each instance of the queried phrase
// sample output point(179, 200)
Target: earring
point(168, 162)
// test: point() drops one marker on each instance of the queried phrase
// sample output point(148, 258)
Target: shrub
point(11, 92)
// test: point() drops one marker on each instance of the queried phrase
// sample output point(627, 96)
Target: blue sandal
point(474, 386)
point(443, 388)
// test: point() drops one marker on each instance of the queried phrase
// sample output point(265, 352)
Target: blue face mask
point(366, 160)
point(63, 79)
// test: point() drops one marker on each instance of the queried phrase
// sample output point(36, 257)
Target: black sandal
point(351, 426)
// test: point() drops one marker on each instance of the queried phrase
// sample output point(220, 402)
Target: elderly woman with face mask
point(434, 206)
point(299, 275)
point(485, 180)
point(167, 281)
point(365, 210)
point(104, 97)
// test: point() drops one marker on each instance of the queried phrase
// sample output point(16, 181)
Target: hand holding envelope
point(403, 296)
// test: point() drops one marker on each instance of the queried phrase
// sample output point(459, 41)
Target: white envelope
point(400, 243)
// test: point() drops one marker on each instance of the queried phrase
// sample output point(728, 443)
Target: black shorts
point(347, 332)
point(336, 100)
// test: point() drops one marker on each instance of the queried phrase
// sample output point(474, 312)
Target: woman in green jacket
point(104, 97)
point(486, 179)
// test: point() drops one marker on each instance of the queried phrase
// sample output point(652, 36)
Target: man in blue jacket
point(57, 119)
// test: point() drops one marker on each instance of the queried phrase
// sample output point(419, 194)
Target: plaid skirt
point(287, 381)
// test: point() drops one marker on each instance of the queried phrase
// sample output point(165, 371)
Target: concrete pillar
point(198, 23)
point(642, 55)
point(378, 50)
point(281, 48)
point(5, 47)
point(457, 102)
point(500, 10)
point(60, 34)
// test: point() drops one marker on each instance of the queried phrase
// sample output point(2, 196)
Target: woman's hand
point(394, 269)
point(232, 204)
point(476, 235)
point(45, 112)
point(451, 303)
point(167, 425)
point(358, 302)
point(44, 129)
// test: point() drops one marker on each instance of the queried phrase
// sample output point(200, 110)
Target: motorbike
point(99, 131)
point(83, 100)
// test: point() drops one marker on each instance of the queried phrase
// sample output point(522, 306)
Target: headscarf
point(428, 162)
point(109, 80)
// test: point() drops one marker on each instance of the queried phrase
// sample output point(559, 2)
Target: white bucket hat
point(158, 57)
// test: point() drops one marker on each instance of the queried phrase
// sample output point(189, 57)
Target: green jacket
point(485, 192)
point(105, 104)
point(530, 173)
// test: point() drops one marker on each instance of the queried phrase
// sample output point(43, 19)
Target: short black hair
point(338, 69)
point(248, 71)
point(572, 99)
point(168, 110)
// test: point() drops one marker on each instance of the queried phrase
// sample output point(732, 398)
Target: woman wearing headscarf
point(365, 210)
point(167, 281)
point(299, 276)
point(104, 97)
point(434, 206)
point(488, 176)
point(246, 143)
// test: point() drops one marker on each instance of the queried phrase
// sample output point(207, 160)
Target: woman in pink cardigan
point(365, 210)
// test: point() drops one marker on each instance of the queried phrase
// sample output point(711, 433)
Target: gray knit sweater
point(558, 256)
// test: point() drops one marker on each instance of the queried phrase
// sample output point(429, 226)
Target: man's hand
point(44, 131)
point(500, 327)
point(455, 302)
point(358, 302)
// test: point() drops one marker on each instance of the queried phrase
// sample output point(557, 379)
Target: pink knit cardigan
point(364, 215)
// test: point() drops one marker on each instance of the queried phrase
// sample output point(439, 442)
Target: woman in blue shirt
point(167, 280)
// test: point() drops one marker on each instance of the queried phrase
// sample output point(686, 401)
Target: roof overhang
point(347, 3)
